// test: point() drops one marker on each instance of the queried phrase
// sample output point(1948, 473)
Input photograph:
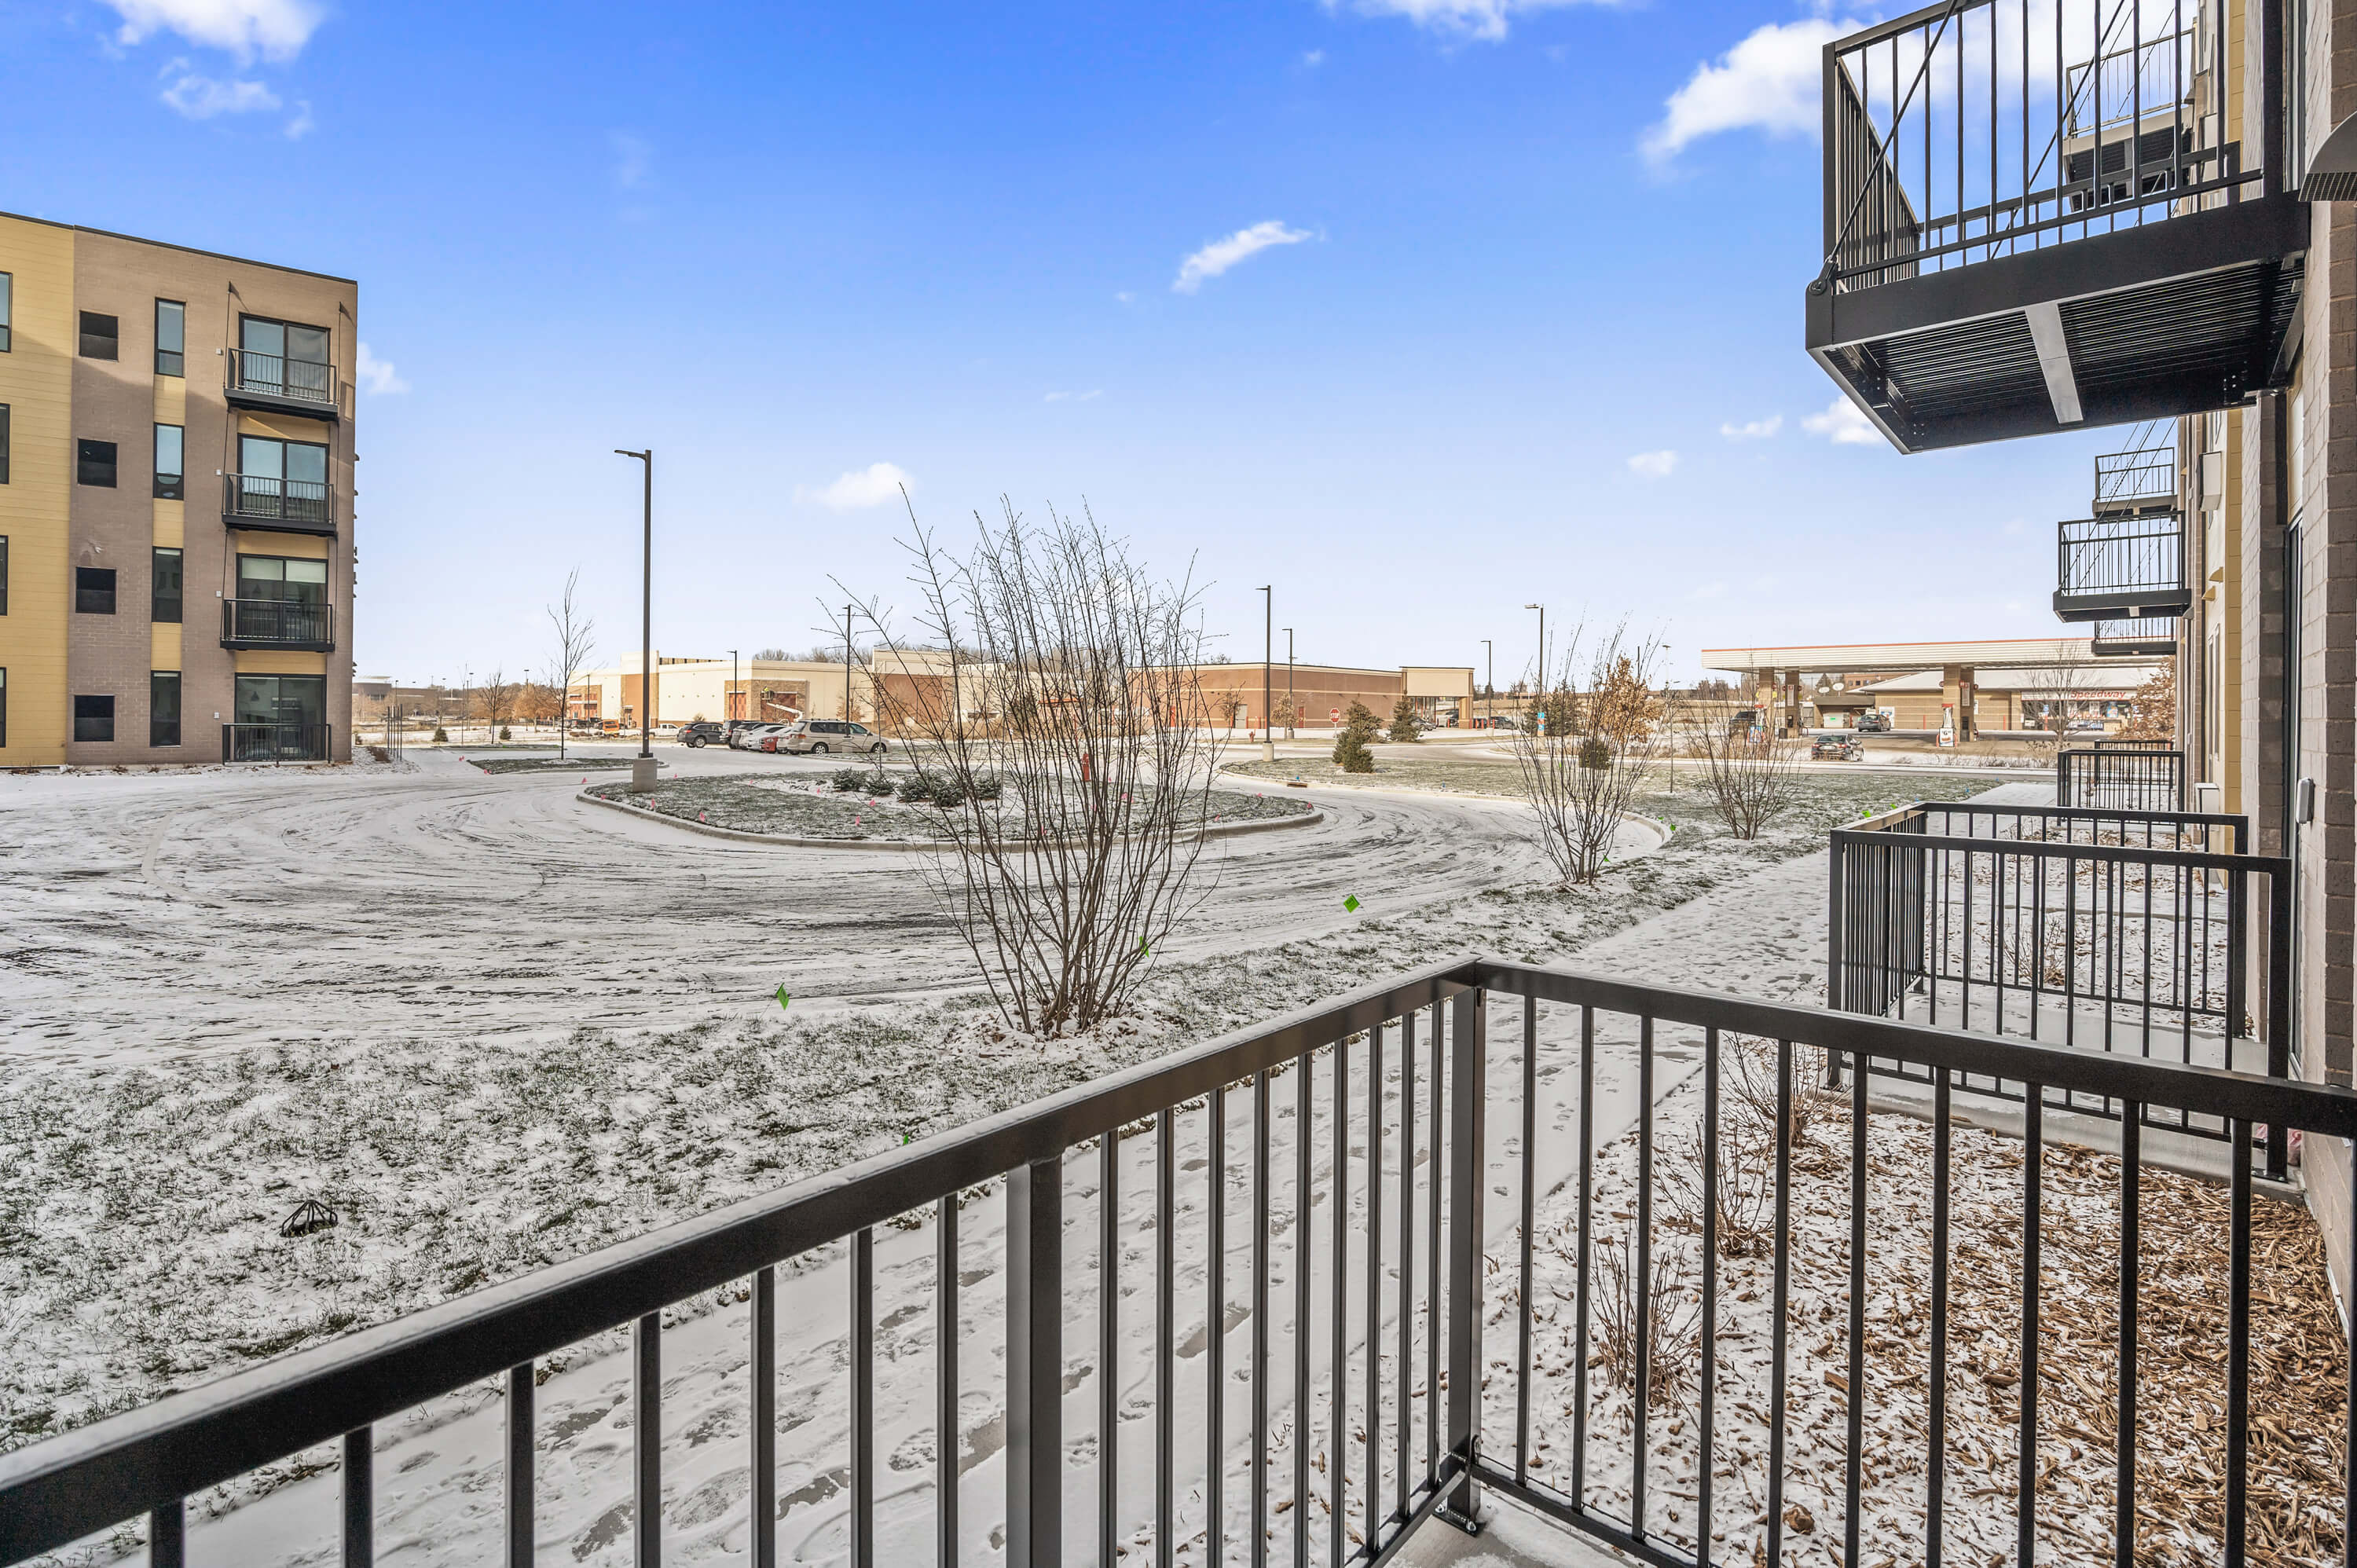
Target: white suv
point(817, 736)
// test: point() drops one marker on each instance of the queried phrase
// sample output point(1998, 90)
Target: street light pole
point(728, 698)
point(1542, 664)
point(1489, 686)
point(1268, 672)
point(847, 665)
point(1292, 707)
point(642, 766)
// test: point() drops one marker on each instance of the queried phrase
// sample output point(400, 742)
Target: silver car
point(815, 738)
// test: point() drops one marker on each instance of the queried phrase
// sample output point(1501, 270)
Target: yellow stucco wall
point(36, 382)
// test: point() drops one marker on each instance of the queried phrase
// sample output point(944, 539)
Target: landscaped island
point(885, 805)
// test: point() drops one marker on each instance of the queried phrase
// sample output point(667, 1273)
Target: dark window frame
point(93, 718)
point(4, 442)
point(88, 590)
point(172, 361)
point(4, 707)
point(110, 336)
point(160, 600)
point(7, 309)
point(174, 486)
point(87, 462)
point(162, 731)
point(327, 334)
point(3, 573)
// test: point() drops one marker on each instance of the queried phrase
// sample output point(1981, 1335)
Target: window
point(4, 438)
point(94, 463)
point(100, 335)
point(4, 675)
point(171, 338)
point(93, 718)
point(168, 586)
point(8, 294)
point(95, 590)
point(276, 577)
point(164, 707)
point(282, 478)
point(170, 442)
point(3, 573)
point(284, 359)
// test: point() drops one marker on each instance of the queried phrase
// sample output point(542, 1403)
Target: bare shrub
point(1073, 849)
point(1750, 772)
point(1603, 738)
point(1753, 1081)
point(575, 642)
point(1673, 1316)
point(1745, 1195)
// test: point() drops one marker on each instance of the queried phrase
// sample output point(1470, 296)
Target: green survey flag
point(783, 997)
point(1351, 903)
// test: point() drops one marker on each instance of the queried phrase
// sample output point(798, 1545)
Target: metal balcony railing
point(2129, 639)
point(293, 506)
point(302, 384)
point(276, 743)
point(2116, 929)
point(2121, 778)
point(277, 623)
point(2120, 569)
point(1341, 1162)
point(2034, 221)
point(2137, 484)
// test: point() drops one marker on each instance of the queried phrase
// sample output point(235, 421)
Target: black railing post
point(518, 1476)
point(1035, 1353)
point(646, 1440)
point(1468, 1043)
point(2280, 1003)
point(359, 1497)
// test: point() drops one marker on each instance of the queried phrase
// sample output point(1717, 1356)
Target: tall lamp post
point(1542, 664)
point(728, 698)
point(1489, 686)
point(642, 766)
point(1292, 708)
point(1268, 672)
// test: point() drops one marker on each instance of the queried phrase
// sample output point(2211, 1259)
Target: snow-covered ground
point(234, 990)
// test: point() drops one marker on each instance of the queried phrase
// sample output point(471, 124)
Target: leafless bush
point(1672, 1314)
point(1749, 770)
point(1604, 733)
point(1065, 879)
point(1753, 1080)
point(1745, 1197)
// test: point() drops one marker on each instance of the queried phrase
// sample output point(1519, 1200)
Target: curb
point(1229, 830)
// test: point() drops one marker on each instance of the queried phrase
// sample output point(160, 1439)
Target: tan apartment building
point(175, 518)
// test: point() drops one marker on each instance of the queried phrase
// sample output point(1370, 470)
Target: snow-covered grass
point(798, 807)
point(139, 1205)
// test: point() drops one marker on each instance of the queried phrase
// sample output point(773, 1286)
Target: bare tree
point(1075, 817)
point(575, 644)
point(1602, 738)
point(1750, 772)
point(496, 700)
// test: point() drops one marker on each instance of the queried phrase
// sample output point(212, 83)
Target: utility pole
point(1292, 708)
point(1267, 672)
point(642, 766)
point(1489, 686)
point(847, 666)
point(728, 699)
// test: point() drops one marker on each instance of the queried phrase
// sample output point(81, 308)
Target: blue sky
point(1487, 293)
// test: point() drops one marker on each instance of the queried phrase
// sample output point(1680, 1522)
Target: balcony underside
point(2173, 318)
point(263, 402)
point(2141, 646)
point(322, 527)
point(2124, 603)
point(281, 644)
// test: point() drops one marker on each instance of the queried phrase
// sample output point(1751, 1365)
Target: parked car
point(1873, 722)
point(2084, 726)
point(744, 735)
point(1836, 748)
point(700, 732)
point(814, 737)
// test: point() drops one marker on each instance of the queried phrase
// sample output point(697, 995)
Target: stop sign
point(1335, 713)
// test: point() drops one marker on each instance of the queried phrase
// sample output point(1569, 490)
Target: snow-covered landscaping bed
point(800, 807)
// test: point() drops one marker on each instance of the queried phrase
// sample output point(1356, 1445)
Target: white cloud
point(1314, 59)
point(1841, 425)
point(201, 97)
point(1771, 82)
point(871, 486)
point(275, 29)
point(1124, 296)
point(1220, 255)
point(1753, 430)
point(300, 127)
point(377, 375)
point(1089, 396)
point(1484, 20)
point(632, 158)
point(1654, 465)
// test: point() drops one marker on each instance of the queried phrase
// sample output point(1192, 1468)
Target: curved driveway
point(146, 914)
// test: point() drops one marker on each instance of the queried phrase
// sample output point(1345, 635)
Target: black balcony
point(276, 384)
point(2121, 778)
point(1337, 1186)
point(2145, 639)
point(276, 743)
point(2015, 243)
point(293, 624)
point(2116, 569)
point(2137, 484)
point(281, 506)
